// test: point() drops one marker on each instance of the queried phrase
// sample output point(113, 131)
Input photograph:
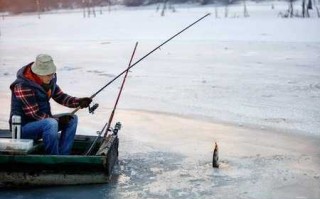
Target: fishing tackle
point(93, 108)
point(108, 124)
point(117, 127)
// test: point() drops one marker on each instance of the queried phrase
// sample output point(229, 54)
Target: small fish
point(215, 157)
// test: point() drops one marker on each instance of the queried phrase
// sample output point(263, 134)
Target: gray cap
point(43, 65)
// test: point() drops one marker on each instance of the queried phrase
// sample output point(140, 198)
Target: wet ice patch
point(100, 73)
point(69, 68)
point(143, 169)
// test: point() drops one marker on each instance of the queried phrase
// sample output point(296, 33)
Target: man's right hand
point(84, 102)
point(63, 121)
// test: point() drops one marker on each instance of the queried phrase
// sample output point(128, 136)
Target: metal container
point(16, 126)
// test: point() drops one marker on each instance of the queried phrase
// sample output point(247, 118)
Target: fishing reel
point(112, 131)
point(117, 127)
point(93, 108)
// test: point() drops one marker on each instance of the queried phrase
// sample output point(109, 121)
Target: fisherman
point(30, 95)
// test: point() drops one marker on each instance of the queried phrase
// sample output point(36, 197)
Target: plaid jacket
point(31, 101)
point(30, 105)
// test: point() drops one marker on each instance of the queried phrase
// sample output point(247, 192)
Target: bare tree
point(305, 9)
point(216, 12)
point(226, 11)
point(245, 10)
point(164, 7)
point(315, 5)
point(309, 5)
point(38, 8)
point(290, 9)
point(84, 8)
point(90, 7)
point(318, 11)
point(171, 7)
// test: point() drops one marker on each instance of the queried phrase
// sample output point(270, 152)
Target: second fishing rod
point(107, 125)
point(142, 58)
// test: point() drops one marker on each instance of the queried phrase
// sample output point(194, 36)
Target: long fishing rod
point(116, 103)
point(143, 58)
point(114, 107)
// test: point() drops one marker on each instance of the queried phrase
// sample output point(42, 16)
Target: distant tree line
point(306, 6)
point(21, 6)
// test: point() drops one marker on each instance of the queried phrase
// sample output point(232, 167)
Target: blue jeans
point(47, 129)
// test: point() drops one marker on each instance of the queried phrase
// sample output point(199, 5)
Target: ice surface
point(260, 71)
point(259, 74)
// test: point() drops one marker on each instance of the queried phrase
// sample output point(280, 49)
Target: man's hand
point(63, 121)
point(85, 102)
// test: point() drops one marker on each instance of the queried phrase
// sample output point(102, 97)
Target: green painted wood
point(51, 159)
point(37, 168)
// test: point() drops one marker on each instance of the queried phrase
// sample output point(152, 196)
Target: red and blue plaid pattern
point(29, 102)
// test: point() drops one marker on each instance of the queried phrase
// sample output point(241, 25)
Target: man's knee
point(50, 132)
point(51, 123)
point(74, 119)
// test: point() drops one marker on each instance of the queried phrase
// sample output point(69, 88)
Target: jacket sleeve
point(64, 99)
point(29, 102)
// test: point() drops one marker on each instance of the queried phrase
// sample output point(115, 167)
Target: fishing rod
point(116, 103)
point(73, 112)
point(108, 124)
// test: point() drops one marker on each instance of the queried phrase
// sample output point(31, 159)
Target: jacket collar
point(28, 74)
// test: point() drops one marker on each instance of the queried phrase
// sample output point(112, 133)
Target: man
point(31, 92)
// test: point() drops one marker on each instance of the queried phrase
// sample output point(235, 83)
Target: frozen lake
point(262, 71)
point(252, 84)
